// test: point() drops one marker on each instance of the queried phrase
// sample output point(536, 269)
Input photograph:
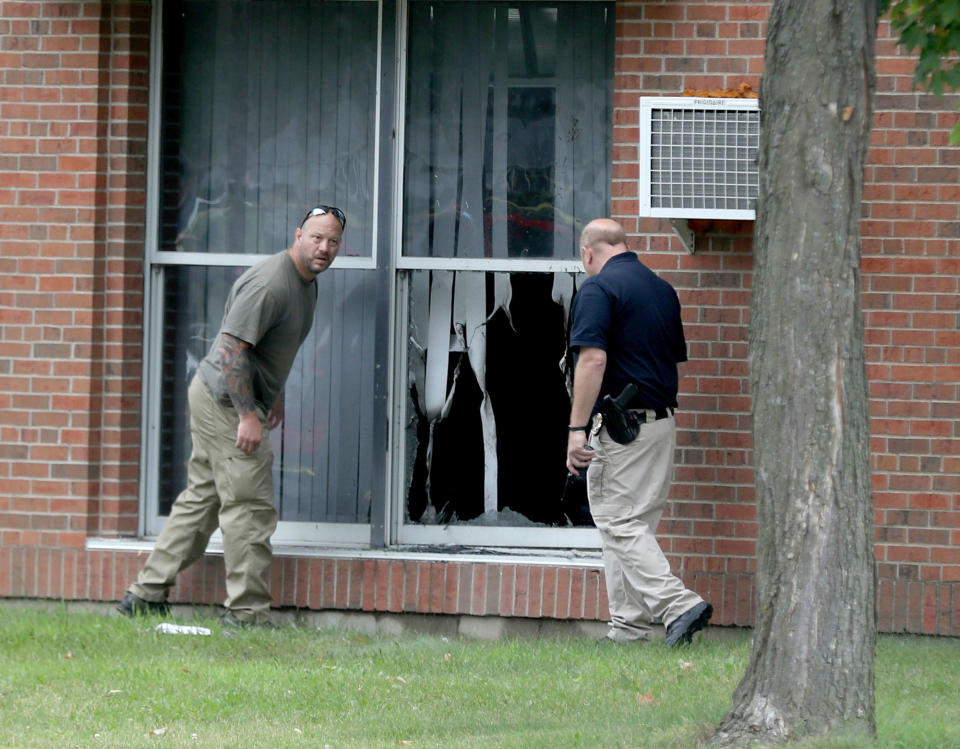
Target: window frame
point(464, 535)
point(386, 527)
point(156, 261)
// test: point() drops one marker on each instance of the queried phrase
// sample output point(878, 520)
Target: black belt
point(659, 413)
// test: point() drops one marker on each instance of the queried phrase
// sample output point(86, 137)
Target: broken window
point(504, 152)
point(506, 156)
point(488, 399)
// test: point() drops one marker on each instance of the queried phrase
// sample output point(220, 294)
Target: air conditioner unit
point(698, 157)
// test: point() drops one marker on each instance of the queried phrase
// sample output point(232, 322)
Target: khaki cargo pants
point(627, 487)
point(225, 488)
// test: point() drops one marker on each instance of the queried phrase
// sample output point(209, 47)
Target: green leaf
point(912, 37)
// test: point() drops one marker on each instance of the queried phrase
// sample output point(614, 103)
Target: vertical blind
point(507, 155)
point(267, 110)
point(508, 142)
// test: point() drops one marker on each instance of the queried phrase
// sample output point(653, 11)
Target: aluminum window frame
point(150, 522)
point(387, 510)
point(399, 532)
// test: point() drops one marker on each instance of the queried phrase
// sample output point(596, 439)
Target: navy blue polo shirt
point(634, 316)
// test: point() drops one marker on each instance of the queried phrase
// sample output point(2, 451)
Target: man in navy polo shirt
point(626, 329)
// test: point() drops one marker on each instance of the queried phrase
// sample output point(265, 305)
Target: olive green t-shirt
point(270, 307)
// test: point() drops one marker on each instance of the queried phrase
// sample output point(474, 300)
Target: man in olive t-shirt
point(237, 393)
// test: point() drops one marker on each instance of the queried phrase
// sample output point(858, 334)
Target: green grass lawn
point(88, 680)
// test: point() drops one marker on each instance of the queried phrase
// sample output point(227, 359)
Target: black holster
point(623, 425)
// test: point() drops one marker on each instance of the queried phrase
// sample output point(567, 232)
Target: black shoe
point(230, 620)
point(132, 605)
point(691, 621)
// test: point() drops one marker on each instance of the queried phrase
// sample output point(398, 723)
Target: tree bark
point(811, 669)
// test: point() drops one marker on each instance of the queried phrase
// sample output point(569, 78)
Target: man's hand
point(587, 378)
point(579, 453)
point(276, 413)
point(249, 432)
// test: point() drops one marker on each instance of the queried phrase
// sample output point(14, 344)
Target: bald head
point(602, 231)
point(600, 240)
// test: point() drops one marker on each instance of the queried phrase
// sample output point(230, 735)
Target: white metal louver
point(698, 157)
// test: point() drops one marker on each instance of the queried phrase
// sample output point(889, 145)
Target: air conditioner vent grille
point(700, 160)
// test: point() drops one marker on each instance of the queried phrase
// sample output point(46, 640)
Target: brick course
point(73, 124)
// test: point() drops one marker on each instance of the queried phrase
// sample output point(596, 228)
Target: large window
point(507, 155)
point(468, 143)
point(267, 111)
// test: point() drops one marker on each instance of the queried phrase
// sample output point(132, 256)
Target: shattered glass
point(488, 399)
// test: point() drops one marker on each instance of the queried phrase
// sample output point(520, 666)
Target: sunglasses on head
point(322, 210)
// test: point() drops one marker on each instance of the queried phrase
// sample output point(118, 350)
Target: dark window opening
point(494, 452)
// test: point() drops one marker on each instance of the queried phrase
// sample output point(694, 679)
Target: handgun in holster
point(623, 425)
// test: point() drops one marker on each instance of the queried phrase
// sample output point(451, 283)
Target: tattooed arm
point(235, 366)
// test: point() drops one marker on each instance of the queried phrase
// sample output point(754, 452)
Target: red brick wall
point(489, 588)
point(911, 267)
point(73, 112)
point(72, 164)
point(911, 299)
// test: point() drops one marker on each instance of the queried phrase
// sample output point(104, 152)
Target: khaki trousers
point(627, 487)
point(225, 487)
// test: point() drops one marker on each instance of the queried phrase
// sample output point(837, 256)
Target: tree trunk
point(811, 669)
